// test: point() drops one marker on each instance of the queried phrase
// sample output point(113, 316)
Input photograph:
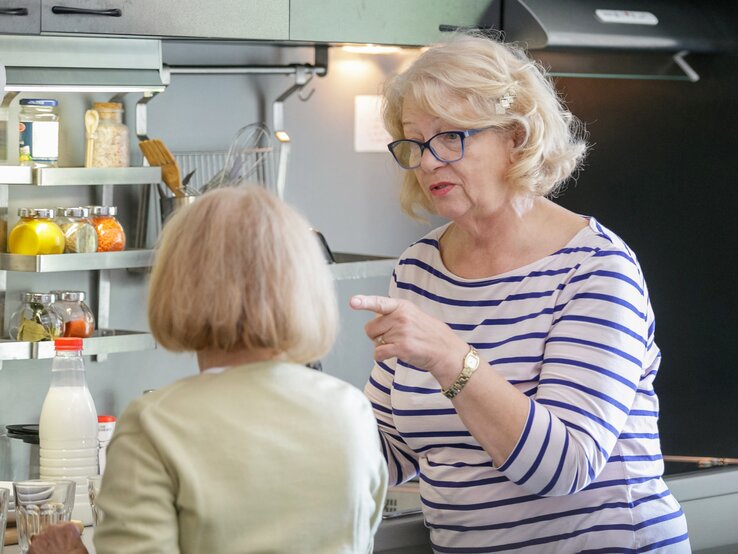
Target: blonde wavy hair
point(239, 269)
point(464, 81)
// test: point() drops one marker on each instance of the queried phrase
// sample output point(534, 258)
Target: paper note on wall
point(369, 132)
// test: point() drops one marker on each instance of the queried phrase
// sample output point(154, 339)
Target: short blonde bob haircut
point(239, 269)
point(464, 82)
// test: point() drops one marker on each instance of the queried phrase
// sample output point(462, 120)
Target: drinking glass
point(93, 489)
point(40, 503)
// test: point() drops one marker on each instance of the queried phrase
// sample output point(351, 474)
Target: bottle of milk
point(68, 425)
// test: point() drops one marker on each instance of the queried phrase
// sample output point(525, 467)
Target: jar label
point(41, 138)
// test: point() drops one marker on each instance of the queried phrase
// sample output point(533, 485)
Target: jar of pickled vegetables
point(76, 315)
point(110, 234)
point(37, 319)
point(79, 234)
point(36, 233)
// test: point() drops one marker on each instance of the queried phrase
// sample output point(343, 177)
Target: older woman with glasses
point(515, 352)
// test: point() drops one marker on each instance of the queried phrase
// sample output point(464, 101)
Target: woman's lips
point(441, 189)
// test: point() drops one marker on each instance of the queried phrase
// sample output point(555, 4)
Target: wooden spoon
point(159, 155)
point(92, 120)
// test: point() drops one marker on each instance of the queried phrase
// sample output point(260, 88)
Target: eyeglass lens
point(446, 147)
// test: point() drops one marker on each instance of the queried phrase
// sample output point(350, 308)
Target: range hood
point(619, 38)
point(81, 64)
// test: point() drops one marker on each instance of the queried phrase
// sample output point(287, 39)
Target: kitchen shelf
point(71, 176)
point(105, 341)
point(48, 263)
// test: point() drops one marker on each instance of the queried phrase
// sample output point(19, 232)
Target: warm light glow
point(282, 136)
point(370, 49)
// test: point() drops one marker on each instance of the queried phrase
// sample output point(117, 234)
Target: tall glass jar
point(76, 315)
point(110, 234)
point(79, 234)
point(110, 144)
point(36, 233)
point(36, 319)
point(38, 129)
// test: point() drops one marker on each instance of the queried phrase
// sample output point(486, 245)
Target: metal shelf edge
point(65, 176)
point(48, 263)
point(15, 175)
point(110, 342)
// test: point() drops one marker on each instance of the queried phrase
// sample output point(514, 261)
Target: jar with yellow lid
point(36, 233)
point(110, 140)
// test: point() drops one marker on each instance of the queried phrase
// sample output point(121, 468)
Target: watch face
point(472, 360)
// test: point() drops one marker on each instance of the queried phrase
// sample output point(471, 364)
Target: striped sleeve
point(592, 364)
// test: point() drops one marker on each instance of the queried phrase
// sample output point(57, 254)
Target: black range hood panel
point(645, 25)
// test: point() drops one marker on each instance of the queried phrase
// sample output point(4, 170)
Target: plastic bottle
point(68, 425)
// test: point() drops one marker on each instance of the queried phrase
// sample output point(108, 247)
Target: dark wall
point(663, 174)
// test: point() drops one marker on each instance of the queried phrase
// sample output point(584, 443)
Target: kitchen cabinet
point(410, 22)
point(213, 19)
point(13, 181)
point(20, 17)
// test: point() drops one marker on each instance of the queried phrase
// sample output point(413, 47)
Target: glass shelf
point(359, 266)
point(104, 342)
point(72, 176)
point(48, 263)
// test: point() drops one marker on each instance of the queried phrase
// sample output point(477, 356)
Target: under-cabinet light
point(282, 136)
point(370, 49)
point(80, 88)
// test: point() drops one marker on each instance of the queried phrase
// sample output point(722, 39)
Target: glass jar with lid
point(79, 234)
point(36, 233)
point(110, 234)
point(77, 317)
point(110, 141)
point(38, 128)
point(36, 319)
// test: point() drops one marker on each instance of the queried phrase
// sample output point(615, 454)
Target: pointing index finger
point(381, 305)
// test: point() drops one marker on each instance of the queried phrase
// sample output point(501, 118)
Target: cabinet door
point(215, 19)
point(402, 22)
point(20, 17)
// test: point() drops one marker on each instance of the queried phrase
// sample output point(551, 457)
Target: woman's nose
point(428, 162)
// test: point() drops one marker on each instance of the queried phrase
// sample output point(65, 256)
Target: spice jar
point(110, 141)
point(110, 234)
point(76, 315)
point(38, 128)
point(79, 234)
point(37, 319)
point(36, 233)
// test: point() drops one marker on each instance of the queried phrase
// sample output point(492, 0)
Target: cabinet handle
point(69, 10)
point(454, 28)
point(13, 11)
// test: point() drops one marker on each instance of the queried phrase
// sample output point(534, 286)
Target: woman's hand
point(402, 330)
point(62, 538)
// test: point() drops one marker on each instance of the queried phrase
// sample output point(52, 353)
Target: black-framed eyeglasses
point(447, 147)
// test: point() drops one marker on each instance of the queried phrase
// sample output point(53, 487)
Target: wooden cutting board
point(11, 533)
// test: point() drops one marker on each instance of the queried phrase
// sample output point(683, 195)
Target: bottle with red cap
point(68, 425)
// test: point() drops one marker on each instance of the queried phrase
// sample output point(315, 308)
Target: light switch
point(369, 132)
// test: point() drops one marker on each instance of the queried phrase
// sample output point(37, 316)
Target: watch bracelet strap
point(461, 380)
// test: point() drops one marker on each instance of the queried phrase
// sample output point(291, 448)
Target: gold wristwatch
point(471, 363)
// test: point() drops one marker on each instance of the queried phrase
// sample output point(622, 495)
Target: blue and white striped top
point(574, 332)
